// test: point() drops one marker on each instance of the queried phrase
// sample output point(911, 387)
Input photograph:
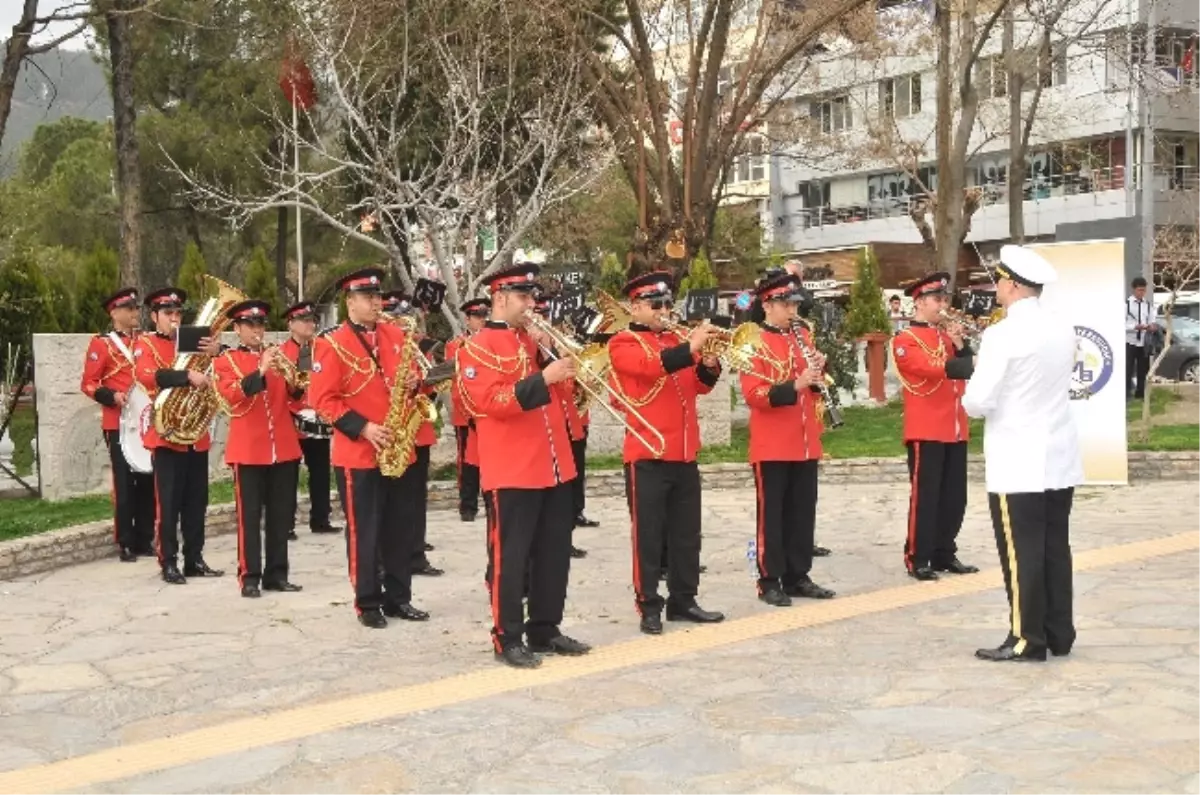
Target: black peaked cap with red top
point(780, 287)
point(367, 280)
point(933, 284)
point(476, 306)
point(656, 284)
point(126, 296)
point(166, 298)
point(521, 277)
point(252, 311)
point(301, 311)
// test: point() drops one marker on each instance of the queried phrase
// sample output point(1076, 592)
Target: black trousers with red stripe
point(787, 515)
point(181, 494)
point(1033, 538)
point(133, 500)
point(372, 504)
point(468, 474)
point(316, 459)
point(579, 484)
point(529, 530)
point(266, 514)
point(414, 484)
point(664, 505)
point(938, 500)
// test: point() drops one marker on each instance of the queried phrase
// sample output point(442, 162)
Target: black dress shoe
point(201, 569)
point(292, 536)
point(405, 611)
point(583, 521)
point(428, 570)
point(172, 575)
point(144, 552)
point(1060, 652)
point(652, 624)
point(809, 590)
point(251, 591)
point(820, 552)
point(127, 555)
point(923, 573)
point(568, 647)
point(285, 586)
point(372, 619)
point(1008, 653)
point(428, 547)
point(326, 528)
point(576, 552)
point(468, 516)
point(694, 613)
point(518, 657)
point(775, 597)
point(956, 566)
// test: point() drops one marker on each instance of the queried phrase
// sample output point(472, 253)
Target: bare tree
point(118, 23)
point(429, 128)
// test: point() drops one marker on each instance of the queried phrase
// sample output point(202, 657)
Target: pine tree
point(97, 282)
point(699, 276)
point(25, 305)
point(868, 312)
point(191, 275)
point(260, 284)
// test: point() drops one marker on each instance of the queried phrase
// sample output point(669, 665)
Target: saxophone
point(406, 411)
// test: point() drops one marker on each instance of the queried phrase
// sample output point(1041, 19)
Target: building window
point(900, 97)
point(751, 165)
point(833, 113)
point(1052, 66)
point(991, 78)
point(1036, 68)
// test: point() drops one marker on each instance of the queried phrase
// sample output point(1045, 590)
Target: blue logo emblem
point(1093, 363)
point(743, 300)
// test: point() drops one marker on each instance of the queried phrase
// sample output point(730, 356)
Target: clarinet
point(835, 413)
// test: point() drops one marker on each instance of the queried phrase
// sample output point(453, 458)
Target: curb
point(68, 546)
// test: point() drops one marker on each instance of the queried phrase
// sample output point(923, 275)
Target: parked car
point(1182, 361)
point(1186, 304)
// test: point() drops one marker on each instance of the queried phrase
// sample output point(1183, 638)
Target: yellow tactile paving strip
point(292, 724)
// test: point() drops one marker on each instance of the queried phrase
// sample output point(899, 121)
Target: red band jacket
point(523, 438)
point(659, 375)
point(458, 414)
point(154, 355)
point(108, 372)
point(261, 430)
point(934, 376)
point(348, 388)
point(784, 424)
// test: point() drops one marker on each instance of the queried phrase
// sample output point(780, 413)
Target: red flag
point(1188, 58)
point(296, 81)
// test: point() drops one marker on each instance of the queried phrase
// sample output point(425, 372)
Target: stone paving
point(104, 655)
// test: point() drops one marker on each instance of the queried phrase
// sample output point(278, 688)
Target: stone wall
point(55, 549)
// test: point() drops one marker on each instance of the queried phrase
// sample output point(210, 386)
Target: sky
point(10, 14)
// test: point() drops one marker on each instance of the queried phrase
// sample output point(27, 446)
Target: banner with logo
point(1090, 292)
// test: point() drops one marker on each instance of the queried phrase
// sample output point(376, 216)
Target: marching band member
point(262, 449)
point(416, 484)
point(355, 368)
point(526, 469)
point(785, 446)
point(1021, 388)
point(475, 313)
point(180, 471)
point(661, 375)
point(313, 434)
point(933, 364)
point(108, 375)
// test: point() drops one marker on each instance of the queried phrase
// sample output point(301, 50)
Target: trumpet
point(289, 370)
point(719, 337)
point(972, 327)
point(591, 374)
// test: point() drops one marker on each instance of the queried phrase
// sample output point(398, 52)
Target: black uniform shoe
point(171, 574)
point(251, 591)
point(428, 570)
point(652, 624)
point(576, 552)
point(568, 647)
point(428, 547)
point(808, 590)
point(201, 569)
point(127, 555)
point(820, 552)
point(956, 566)
point(1008, 653)
point(405, 611)
point(372, 619)
point(775, 597)
point(518, 657)
point(292, 536)
point(326, 528)
point(923, 573)
point(694, 613)
point(468, 516)
point(583, 521)
point(144, 552)
point(285, 586)
point(1057, 652)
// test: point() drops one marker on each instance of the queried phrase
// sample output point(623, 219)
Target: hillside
point(63, 83)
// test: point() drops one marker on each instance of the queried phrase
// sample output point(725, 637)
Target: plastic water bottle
point(752, 556)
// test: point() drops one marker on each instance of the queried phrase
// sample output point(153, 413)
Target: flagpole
point(296, 183)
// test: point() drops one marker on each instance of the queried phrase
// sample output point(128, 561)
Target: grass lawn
point(868, 433)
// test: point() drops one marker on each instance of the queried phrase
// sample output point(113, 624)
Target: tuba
point(183, 415)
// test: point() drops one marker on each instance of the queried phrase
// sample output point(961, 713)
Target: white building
point(845, 191)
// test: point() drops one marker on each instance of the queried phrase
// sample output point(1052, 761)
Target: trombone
point(591, 371)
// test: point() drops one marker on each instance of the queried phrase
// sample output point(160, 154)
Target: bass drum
point(135, 418)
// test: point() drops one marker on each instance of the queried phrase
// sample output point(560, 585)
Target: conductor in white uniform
point(1021, 387)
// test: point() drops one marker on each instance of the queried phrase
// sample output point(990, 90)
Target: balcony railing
point(1096, 180)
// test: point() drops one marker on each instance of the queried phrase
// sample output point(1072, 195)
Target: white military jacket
point(1021, 387)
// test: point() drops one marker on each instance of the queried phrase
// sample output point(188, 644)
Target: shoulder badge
point(900, 350)
point(469, 373)
point(95, 357)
